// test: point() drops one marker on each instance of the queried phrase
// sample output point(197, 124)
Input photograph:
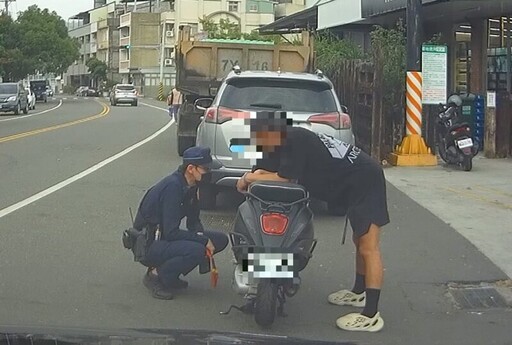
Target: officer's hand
point(241, 185)
point(210, 246)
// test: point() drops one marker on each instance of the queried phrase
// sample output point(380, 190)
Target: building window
point(233, 6)
point(253, 8)
point(169, 26)
point(169, 53)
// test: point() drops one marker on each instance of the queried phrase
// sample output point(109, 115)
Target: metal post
point(509, 55)
point(414, 78)
point(162, 58)
point(414, 34)
point(162, 53)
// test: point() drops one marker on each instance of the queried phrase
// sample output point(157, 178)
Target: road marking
point(104, 112)
point(480, 198)
point(65, 98)
point(25, 116)
point(153, 106)
point(10, 209)
point(493, 190)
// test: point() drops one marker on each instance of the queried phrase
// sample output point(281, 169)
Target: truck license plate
point(465, 143)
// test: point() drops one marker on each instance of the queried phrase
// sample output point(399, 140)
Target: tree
point(98, 69)
point(332, 51)
point(37, 40)
point(13, 65)
point(226, 29)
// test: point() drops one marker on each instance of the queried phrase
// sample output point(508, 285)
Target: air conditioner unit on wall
point(169, 33)
point(168, 62)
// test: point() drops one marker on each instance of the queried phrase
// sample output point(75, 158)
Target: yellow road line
point(493, 190)
point(480, 198)
point(103, 113)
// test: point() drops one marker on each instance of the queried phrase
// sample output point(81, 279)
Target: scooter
point(272, 242)
point(455, 141)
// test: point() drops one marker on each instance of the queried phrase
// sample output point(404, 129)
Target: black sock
point(372, 302)
point(359, 285)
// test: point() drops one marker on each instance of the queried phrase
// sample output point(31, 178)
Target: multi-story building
point(286, 7)
point(129, 36)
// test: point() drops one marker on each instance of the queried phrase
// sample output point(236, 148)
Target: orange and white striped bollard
point(413, 103)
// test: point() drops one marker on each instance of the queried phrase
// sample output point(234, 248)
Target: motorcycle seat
point(274, 191)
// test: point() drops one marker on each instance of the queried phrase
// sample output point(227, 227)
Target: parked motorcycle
point(272, 242)
point(455, 140)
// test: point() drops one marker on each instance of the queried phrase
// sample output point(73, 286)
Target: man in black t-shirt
point(335, 172)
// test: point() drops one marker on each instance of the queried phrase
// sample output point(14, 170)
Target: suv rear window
point(8, 89)
point(125, 87)
point(280, 94)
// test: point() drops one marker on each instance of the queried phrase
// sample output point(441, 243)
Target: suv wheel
point(207, 197)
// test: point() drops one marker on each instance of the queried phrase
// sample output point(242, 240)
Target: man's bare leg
point(369, 250)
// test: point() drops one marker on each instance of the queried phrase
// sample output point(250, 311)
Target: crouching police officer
point(175, 252)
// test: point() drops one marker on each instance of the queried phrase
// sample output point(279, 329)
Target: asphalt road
point(62, 263)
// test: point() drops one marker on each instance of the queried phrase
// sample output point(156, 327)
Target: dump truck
point(202, 64)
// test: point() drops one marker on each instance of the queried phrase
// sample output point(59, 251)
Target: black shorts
point(367, 200)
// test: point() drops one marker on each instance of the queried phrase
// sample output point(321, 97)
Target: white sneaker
point(358, 322)
point(347, 297)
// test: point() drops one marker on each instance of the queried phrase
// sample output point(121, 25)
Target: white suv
point(310, 98)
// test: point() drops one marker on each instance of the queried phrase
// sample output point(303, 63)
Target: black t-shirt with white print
point(329, 168)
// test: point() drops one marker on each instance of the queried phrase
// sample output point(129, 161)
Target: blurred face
point(269, 140)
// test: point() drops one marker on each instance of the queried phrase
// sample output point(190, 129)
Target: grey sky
point(64, 8)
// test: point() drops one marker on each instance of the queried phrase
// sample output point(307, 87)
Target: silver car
point(310, 98)
point(124, 93)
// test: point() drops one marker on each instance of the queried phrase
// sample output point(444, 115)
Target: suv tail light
point(221, 114)
point(335, 120)
point(274, 223)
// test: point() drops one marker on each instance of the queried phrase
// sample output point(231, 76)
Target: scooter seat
point(459, 125)
point(274, 191)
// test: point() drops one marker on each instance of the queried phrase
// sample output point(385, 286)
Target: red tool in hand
point(214, 276)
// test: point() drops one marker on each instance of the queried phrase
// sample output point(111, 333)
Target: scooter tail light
point(274, 223)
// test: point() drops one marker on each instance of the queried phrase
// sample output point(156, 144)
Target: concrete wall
point(144, 31)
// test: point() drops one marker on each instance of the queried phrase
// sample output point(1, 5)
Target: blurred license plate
point(465, 143)
point(269, 265)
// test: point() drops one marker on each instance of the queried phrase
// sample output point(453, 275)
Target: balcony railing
point(123, 41)
point(124, 64)
point(125, 19)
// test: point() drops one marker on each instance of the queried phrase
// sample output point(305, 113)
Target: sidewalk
point(477, 204)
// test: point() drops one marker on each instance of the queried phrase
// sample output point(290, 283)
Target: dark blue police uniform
point(165, 205)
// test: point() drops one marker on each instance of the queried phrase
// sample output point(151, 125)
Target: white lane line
point(40, 113)
point(4, 212)
point(154, 106)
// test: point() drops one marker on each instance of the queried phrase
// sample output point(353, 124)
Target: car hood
point(65, 336)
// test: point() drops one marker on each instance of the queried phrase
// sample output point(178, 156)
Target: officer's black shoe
point(150, 280)
point(160, 292)
point(178, 284)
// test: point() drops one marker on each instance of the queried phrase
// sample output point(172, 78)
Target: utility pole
point(414, 34)
point(162, 57)
point(413, 150)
